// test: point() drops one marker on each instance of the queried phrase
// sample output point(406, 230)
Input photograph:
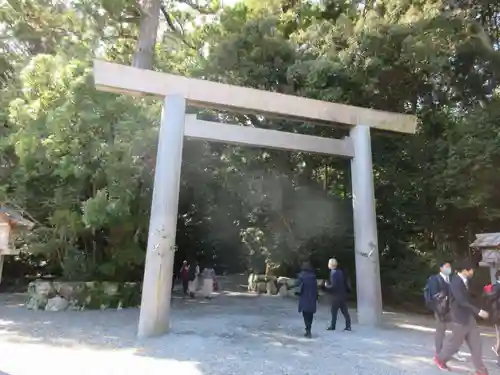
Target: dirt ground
point(234, 333)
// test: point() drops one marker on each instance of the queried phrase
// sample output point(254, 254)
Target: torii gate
point(177, 92)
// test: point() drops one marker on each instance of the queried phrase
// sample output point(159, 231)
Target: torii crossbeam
point(177, 92)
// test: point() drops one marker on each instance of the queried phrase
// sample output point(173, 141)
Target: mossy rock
point(106, 295)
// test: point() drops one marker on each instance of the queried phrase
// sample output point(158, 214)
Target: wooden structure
point(489, 244)
point(177, 92)
point(11, 222)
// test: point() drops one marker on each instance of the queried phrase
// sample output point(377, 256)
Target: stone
point(271, 288)
point(290, 283)
point(110, 289)
point(282, 280)
point(283, 290)
point(260, 278)
point(36, 302)
point(41, 288)
point(56, 304)
point(261, 287)
point(91, 284)
point(68, 290)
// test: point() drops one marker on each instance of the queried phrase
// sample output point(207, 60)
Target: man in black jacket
point(337, 287)
point(464, 325)
point(439, 290)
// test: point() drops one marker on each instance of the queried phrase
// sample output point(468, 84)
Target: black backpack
point(429, 302)
point(438, 303)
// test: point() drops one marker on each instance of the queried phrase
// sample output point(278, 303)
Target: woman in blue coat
point(308, 290)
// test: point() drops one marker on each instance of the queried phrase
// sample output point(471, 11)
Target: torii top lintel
point(124, 79)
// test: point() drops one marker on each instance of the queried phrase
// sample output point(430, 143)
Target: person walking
point(308, 291)
point(492, 303)
point(464, 325)
point(184, 276)
point(437, 296)
point(194, 271)
point(338, 288)
point(208, 277)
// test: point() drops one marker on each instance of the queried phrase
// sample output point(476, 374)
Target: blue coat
point(337, 285)
point(308, 288)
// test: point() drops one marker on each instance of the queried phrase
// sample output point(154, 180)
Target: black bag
point(429, 303)
point(438, 303)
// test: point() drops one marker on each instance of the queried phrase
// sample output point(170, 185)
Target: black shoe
point(330, 328)
point(308, 335)
point(347, 329)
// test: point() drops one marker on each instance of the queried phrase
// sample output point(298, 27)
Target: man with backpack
point(437, 299)
point(464, 326)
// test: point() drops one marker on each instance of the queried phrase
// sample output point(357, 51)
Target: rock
point(261, 287)
point(36, 302)
point(110, 289)
point(283, 290)
point(260, 278)
point(282, 280)
point(91, 284)
point(56, 304)
point(271, 288)
point(290, 283)
point(41, 288)
point(68, 290)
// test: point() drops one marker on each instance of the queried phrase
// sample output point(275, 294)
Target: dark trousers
point(185, 285)
point(497, 345)
point(440, 334)
point(308, 320)
point(470, 334)
point(339, 303)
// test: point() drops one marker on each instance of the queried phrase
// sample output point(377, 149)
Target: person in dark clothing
point(492, 305)
point(439, 290)
point(464, 325)
point(308, 291)
point(184, 276)
point(338, 289)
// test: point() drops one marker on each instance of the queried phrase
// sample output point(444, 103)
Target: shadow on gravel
point(235, 333)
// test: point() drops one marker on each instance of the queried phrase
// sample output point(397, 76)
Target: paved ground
point(232, 334)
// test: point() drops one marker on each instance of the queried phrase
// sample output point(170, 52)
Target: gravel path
point(231, 334)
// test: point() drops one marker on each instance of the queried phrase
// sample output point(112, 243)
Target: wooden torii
point(177, 92)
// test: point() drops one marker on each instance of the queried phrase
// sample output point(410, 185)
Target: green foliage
point(81, 162)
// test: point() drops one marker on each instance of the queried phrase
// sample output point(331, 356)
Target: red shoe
point(442, 366)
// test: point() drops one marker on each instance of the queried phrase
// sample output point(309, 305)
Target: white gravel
point(230, 335)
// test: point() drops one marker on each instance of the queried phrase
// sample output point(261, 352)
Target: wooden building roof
point(487, 241)
point(15, 218)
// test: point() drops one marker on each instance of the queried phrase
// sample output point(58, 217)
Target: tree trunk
point(148, 31)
